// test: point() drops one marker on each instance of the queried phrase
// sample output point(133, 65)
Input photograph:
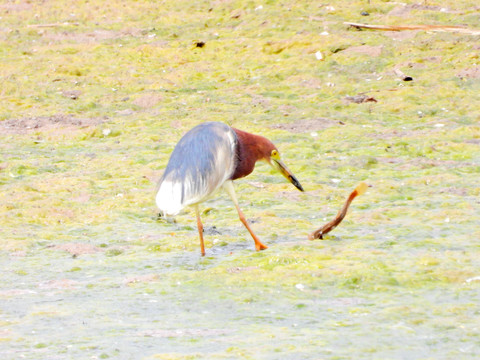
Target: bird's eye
point(274, 154)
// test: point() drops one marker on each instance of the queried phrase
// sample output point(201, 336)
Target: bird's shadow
point(163, 219)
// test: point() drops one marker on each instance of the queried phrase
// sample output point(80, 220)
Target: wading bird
point(210, 156)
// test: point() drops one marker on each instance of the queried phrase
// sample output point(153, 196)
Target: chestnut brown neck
point(250, 149)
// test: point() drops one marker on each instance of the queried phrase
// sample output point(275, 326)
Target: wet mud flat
point(90, 271)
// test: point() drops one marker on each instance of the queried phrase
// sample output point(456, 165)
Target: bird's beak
point(282, 168)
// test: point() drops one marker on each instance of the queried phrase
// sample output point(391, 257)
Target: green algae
point(84, 253)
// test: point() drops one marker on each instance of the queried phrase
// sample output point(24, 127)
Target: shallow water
point(235, 303)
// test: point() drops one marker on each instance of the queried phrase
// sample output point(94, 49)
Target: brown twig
point(318, 234)
point(51, 25)
point(435, 28)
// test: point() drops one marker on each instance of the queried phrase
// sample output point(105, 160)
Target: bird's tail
point(169, 198)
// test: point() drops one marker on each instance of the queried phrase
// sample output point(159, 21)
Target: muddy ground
point(93, 98)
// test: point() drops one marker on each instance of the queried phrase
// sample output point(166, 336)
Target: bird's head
point(274, 159)
point(252, 148)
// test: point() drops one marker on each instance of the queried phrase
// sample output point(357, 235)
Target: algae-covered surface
point(93, 97)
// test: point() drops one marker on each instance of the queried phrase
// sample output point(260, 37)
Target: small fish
point(318, 234)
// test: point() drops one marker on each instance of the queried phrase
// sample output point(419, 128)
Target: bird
point(209, 157)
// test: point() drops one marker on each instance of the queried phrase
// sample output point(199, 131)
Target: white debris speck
point(476, 278)
point(300, 286)
point(324, 33)
point(336, 181)
point(439, 125)
point(106, 132)
point(260, 7)
point(314, 134)
point(319, 55)
point(447, 220)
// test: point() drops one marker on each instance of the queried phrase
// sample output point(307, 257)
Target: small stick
point(401, 75)
point(318, 234)
point(51, 25)
point(437, 28)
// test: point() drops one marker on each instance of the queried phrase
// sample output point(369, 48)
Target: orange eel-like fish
point(318, 234)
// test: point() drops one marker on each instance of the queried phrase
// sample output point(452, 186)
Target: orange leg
point(228, 185)
point(200, 230)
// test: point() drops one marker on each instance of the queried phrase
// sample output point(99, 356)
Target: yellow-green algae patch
point(94, 97)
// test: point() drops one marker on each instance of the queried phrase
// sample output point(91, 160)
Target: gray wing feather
point(200, 163)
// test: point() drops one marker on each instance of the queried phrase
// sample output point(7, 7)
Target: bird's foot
point(259, 246)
